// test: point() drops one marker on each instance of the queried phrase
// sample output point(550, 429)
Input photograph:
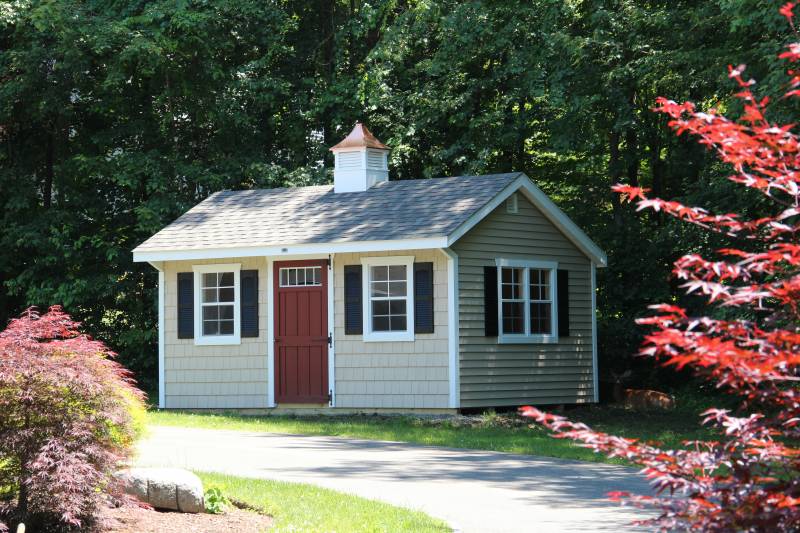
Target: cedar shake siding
point(493, 374)
point(227, 376)
point(409, 375)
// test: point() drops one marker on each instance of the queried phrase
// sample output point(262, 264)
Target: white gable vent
point(511, 204)
point(361, 161)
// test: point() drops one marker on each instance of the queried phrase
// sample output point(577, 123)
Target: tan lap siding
point(392, 374)
point(495, 374)
point(233, 376)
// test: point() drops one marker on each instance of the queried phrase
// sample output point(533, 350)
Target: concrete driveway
point(474, 491)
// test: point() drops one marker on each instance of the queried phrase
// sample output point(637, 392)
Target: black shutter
point(185, 305)
point(353, 320)
point(563, 303)
point(490, 316)
point(248, 299)
point(423, 297)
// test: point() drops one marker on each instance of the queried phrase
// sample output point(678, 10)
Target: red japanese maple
point(750, 479)
point(65, 422)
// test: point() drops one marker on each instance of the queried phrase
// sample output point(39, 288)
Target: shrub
point(215, 501)
point(65, 422)
point(750, 479)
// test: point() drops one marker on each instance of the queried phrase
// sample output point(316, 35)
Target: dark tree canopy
point(115, 117)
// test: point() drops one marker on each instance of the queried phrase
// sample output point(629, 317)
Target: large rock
point(165, 488)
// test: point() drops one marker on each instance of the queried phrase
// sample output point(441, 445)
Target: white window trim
point(216, 340)
point(388, 336)
point(527, 337)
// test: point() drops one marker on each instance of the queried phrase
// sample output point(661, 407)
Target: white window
point(527, 296)
point(301, 276)
point(388, 298)
point(216, 297)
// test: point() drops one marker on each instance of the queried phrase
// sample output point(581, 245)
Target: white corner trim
point(270, 335)
point(290, 250)
point(331, 331)
point(550, 210)
point(387, 336)
point(217, 340)
point(595, 369)
point(528, 338)
point(162, 393)
point(454, 401)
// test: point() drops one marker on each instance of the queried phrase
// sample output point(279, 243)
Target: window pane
point(210, 280)
point(397, 307)
point(226, 279)
point(513, 317)
point(226, 295)
point(540, 284)
point(398, 323)
point(397, 273)
point(380, 273)
point(284, 277)
point(317, 278)
point(511, 283)
point(226, 327)
point(380, 323)
point(540, 318)
point(226, 312)
point(210, 312)
point(210, 327)
point(301, 276)
point(380, 288)
point(380, 307)
point(292, 276)
point(209, 295)
point(397, 288)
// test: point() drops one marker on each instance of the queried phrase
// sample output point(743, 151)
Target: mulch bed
point(133, 519)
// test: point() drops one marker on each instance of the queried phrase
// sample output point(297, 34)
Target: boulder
point(165, 488)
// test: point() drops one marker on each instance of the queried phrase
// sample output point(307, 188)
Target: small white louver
point(376, 160)
point(349, 160)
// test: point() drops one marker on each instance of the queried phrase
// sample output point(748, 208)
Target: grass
point(300, 507)
point(505, 433)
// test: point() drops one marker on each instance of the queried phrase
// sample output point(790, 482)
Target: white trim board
point(270, 334)
point(595, 369)
point(162, 290)
point(290, 251)
point(453, 373)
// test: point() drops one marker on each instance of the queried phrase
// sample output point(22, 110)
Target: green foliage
point(116, 117)
point(215, 501)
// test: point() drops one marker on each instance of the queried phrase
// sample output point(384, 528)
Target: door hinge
point(330, 396)
point(329, 262)
point(330, 340)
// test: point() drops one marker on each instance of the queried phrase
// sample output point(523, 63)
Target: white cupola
point(361, 161)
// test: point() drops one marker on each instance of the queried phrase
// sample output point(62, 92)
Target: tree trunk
point(631, 145)
point(614, 173)
point(47, 186)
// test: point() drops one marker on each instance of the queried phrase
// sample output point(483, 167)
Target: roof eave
point(422, 243)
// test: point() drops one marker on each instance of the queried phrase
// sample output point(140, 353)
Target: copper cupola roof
point(360, 137)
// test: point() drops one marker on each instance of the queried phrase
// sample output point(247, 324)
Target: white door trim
point(270, 335)
point(331, 330)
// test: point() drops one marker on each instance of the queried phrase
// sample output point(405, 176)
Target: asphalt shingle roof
point(275, 217)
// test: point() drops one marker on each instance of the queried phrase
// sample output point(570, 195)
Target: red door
point(301, 331)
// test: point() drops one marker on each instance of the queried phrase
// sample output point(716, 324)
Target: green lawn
point(506, 433)
point(298, 507)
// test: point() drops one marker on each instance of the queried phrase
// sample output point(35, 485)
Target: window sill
point(227, 340)
point(395, 336)
point(527, 339)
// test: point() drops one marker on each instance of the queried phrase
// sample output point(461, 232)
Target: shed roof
point(392, 210)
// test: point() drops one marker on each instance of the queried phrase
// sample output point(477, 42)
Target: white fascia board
point(276, 252)
point(550, 210)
